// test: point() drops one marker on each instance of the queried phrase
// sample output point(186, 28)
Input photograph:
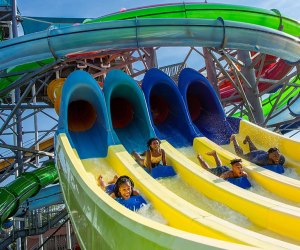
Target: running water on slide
point(85, 143)
point(80, 163)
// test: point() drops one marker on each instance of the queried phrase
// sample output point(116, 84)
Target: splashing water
point(292, 173)
point(96, 167)
point(149, 212)
point(185, 191)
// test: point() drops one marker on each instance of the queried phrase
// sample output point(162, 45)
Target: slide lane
point(154, 83)
point(218, 128)
point(265, 139)
point(280, 185)
point(78, 170)
point(255, 207)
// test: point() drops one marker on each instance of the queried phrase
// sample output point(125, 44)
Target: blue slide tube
point(127, 111)
point(204, 107)
point(167, 109)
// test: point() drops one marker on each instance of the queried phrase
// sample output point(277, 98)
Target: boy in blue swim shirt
point(258, 157)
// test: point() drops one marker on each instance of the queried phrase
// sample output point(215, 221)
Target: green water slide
point(26, 185)
point(6, 81)
point(267, 18)
point(268, 103)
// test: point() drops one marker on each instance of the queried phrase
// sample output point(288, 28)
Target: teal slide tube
point(60, 43)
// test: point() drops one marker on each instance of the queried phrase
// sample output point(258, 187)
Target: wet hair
point(272, 150)
point(237, 160)
point(151, 140)
point(121, 180)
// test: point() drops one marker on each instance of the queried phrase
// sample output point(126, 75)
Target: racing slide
point(89, 142)
point(25, 186)
point(210, 120)
point(92, 141)
point(193, 85)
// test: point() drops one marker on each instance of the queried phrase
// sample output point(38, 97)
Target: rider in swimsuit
point(153, 156)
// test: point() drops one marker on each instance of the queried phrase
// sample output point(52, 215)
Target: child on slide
point(222, 171)
point(258, 157)
point(123, 187)
point(153, 156)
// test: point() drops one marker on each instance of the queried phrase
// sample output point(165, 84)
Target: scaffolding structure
point(28, 117)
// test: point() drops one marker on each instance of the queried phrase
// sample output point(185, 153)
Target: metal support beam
point(33, 76)
point(21, 149)
point(150, 57)
point(16, 111)
point(25, 106)
point(211, 70)
point(69, 238)
point(238, 88)
point(252, 93)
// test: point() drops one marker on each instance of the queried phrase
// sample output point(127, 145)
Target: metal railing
point(37, 222)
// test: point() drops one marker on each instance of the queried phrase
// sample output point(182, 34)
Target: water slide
point(205, 29)
point(208, 118)
point(80, 162)
point(25, 186)
point(193, 85)
point(52, 44)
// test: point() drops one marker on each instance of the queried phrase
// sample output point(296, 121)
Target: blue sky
point(93, 8)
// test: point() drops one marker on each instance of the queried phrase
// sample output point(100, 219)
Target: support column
point(19, 137)
point(40, 224)
point(69, 238)
point(151, 59)
point(211, 70)
point(251, 93)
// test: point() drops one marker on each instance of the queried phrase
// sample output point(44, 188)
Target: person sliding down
point(258, 157)
point(153, 156)
point(222, 171)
